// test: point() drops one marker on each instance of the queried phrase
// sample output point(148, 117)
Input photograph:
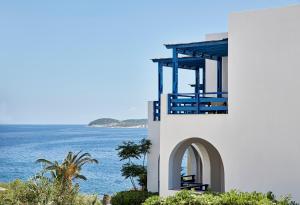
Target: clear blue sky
point(75, 61)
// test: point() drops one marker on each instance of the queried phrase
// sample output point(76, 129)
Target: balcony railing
point(156, 111)
point(198, 103)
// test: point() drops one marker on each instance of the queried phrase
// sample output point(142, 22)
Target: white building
point(248, 139)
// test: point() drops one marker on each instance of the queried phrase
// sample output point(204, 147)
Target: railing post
point(204, 78)
point(175, 71)
point(154, 111)
point(169, 104)
point(197, 81)
point(219, 77)
point(160, 80)
point(198, 103)
point(175, 74)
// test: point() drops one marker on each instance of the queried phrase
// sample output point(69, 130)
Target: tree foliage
point(54, 190)
point(131, 151)
point(69, 169)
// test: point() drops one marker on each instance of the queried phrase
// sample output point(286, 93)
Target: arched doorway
point(204, 162)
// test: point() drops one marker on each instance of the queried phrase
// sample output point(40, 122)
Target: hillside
point(113, 123)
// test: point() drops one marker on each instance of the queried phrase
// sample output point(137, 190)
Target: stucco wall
point(264, 70)
point(259, 140)
point(211, 67)
point(153, 156)
point(176, 128)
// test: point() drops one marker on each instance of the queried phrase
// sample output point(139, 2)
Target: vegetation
point(130, 151)
point(131, 197)
point(54, 185)
point(57, 189)
point(228, 198)
point(104, 121)
point(109, 122)
point(41, 191)
point(70, 168)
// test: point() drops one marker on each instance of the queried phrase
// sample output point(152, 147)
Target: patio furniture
point(188, 182)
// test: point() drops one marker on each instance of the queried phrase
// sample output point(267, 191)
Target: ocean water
point(21, 145)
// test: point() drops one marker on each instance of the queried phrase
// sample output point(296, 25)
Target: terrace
point(193, 56)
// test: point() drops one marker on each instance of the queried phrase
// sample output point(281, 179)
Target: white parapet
point(153, 156)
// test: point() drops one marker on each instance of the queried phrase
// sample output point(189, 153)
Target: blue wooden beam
point(204, 78)
point(160, 80)
point(183, 62)
point(182, 59)
point(175, 72)
point(223, 42)
point(197, 54)
point(197, 80)
point(219, 77)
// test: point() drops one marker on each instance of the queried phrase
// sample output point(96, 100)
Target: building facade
point(241, 125)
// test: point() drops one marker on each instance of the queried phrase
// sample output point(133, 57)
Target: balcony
point(201, 103)
point(194, 56)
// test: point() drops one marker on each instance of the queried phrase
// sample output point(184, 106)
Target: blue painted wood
point(213, 99)
point(195, 108)
point(187, 100)
point(175, 72)
point(206, 44)
point(193, 103)
point(219, 77)
point(194, 95)
point(214, 108)
point(169, 103)
point(185, 108)
point(204, 78)
point(197, 80)
point(201, 100)
point(156, 111)
point(160, 81)
point(198, 54)
point(190, 63)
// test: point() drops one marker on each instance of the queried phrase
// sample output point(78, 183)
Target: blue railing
point(198, 103)
point(156, 111)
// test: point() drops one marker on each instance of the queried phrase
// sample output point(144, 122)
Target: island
point(114, 123)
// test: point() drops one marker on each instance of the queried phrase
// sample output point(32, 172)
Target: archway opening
point(200, 162)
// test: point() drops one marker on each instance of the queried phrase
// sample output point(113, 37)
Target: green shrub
point(228, 198)
point(87, 200)
point(41, 191)
point(130, 197)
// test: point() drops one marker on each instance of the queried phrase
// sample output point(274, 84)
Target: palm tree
point(69, 169)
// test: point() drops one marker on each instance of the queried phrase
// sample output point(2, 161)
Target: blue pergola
point(194, 58)
point(189, 63)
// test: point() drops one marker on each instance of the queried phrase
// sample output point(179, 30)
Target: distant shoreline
point(113, 127)
point(114, 123)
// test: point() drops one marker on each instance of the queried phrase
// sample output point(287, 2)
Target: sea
point(22, 145)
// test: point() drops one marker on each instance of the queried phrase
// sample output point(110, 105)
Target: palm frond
point(45, 161)
point(75, 156)
point(85, 161)
point(83, 155)
point(79, 176)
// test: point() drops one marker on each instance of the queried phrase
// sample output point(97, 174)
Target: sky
point(70, 62)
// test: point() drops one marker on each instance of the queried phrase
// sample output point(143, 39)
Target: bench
point(188, 182)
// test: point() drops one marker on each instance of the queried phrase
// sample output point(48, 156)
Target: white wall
point(176, 128)
point(211, 67)
point(264, 70)
point(259, 140)
point(153, 156)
